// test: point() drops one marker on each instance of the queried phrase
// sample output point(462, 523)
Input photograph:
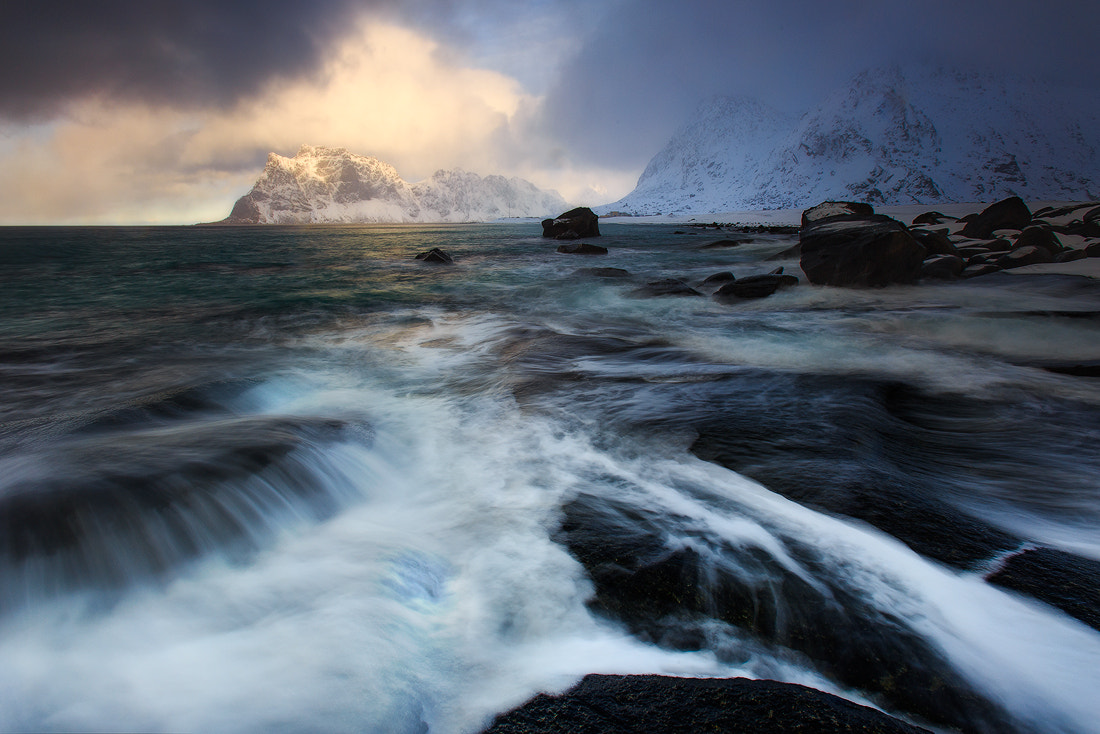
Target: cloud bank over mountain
point(135, 111)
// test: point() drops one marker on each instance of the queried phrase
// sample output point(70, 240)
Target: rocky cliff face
point(889, 137)
point(321, 185)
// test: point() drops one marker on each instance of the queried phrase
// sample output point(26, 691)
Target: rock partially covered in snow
point(320, 185)
point(830, 209)
point(1010, 213)
point(859, 250)
point(572, 225)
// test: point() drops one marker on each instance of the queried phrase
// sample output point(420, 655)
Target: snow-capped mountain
point(888, 137)
point(332, 185)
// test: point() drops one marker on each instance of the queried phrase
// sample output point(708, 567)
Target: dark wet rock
point(831, 209)
point(984, 258)
point(1092, 249)
point(582, 248)
point(969, 251)
point(1010, 213)
point(620, 704)
point(930, 218)
point(1030, 255)
point(436, 256)
point(942, 267)
point(1090, 228)
point(603, 272)
point(754, 286)
point(1068, 256)
point(860, 250)
point(664, 287)
point(936, 243)
point(147, 497)
point(713, 281)
point(1092, 215)
point(573, 224)
point(973, 271)
point(1038, 237)
point(647, 579)
point(1082, 368)
point(791, 253)
point(1070, 583)
point(722, 244)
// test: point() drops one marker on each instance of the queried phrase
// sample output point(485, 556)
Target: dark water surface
point(289, 478)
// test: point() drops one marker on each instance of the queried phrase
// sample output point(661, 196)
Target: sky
point(164, 111)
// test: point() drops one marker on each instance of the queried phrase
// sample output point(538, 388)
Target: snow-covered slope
point(888, 137)
point(332, 185)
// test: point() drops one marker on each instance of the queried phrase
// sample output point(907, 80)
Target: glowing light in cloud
point(385, 92)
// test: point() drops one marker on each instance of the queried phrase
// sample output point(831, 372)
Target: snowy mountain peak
point(323, 184)
point(891, 136)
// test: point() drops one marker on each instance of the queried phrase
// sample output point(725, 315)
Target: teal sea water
point(290, 479)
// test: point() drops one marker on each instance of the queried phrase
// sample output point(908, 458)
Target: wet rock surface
point(860, 250)
point(617, 704)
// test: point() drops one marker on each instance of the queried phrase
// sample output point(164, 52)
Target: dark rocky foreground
point(847, 244)
point(616, 704)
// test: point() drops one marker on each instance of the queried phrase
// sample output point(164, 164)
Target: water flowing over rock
point(617, 704)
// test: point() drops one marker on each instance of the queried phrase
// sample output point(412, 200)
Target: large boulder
point(1030, 255)
point(831, 209)
point(1010, 213)
point(855, 249)
point(573, 224)
point(618, 704)
point(1039, 237)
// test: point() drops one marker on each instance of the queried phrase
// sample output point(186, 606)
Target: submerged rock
point(436, 256)
point(603, 272)
point(1069, 582)
point(664, 287)
point(754, 286)
point(722, 244)
point(665, 592)
point(622, 704)
point(718, 279)
point(582, 248)
point(573, 224)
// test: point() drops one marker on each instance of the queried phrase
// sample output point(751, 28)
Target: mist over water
point(292, 479)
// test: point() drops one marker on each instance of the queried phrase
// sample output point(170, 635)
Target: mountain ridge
point(332, 185)
point(916, 136)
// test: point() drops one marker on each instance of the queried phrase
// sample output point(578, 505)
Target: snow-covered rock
point(321, 185)
point(889, 137)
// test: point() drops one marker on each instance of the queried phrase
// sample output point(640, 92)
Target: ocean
point(259, 479)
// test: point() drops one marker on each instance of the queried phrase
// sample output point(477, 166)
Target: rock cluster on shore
point(847, 244)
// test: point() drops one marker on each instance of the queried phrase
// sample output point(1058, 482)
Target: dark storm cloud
point(179, 52)
point(650, 63)
point(197, 53)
